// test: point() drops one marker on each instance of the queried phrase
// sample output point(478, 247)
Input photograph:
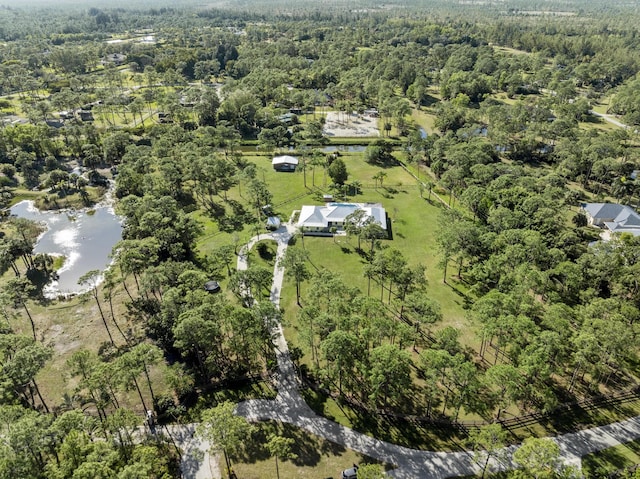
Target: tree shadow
point(237, 207)
point(429, 100)
point(40, 278)
point(230, 223)
point(266, 251)
point(607, 462)
point(386, 194)
point(214, 210)
point(422, 434)
point(454, 287)
point(308, 449)
point(593, 119)
point(316, 401)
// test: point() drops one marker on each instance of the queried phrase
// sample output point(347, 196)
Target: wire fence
point(465, 426)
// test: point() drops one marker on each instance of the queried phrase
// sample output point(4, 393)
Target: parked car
point(351, 473)
point(273, 223)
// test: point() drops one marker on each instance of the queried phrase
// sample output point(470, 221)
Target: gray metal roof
point(604, 210)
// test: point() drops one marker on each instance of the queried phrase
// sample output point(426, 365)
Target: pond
point(84, 237)
point(348, 148)
point(325, 149)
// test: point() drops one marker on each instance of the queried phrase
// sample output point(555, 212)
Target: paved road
point(290, 407)
point(197, 462)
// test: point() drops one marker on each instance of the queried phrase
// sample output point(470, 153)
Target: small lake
point(84, 237)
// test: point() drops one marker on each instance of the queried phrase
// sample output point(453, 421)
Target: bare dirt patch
point(61, 342)
point(343, 125)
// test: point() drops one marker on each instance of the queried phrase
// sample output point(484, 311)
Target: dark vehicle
point(212, 287)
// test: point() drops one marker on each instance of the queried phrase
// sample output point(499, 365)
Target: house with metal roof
point(613, 218)
point(322, 219)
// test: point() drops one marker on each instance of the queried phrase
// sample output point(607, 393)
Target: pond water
point(325, 149)
point(348, 148)
point(84, 237)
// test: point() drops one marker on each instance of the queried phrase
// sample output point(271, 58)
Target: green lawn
point(414, 225)
point(512, 51)
point(316, 457)
point(414, 230)
point(597, 123)
point(602, 104)
point(603, 463)
point(426, 120)
point(21, 194)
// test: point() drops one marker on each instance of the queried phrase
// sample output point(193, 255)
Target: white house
point(613, 218)
point(321, 219)
point(284, 163)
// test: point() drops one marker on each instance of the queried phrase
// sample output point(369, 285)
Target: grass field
point(316, 457)
point(414, 225)
point(510, 50)
point(425, 120)
point(68, 326)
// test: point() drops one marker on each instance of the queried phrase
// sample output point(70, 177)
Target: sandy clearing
point(340, 124)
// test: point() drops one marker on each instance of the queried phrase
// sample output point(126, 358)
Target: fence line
point(465, 426)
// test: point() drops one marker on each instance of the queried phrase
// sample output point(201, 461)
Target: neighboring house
point(116, 59)
point(613, 218)
point(284, 163)
point(85, 115)
point(322, 219)
point(287, 118)
point(53, 123)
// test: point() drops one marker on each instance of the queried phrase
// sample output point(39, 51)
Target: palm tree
point(380, 176)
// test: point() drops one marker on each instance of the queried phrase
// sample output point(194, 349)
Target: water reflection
point(348, 148)
point(85, 238)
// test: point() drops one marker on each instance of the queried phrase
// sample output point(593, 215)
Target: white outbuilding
point(284, 163)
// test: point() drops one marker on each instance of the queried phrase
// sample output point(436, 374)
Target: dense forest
point(494, 297)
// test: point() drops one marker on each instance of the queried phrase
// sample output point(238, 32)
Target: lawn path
point(610, 118)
